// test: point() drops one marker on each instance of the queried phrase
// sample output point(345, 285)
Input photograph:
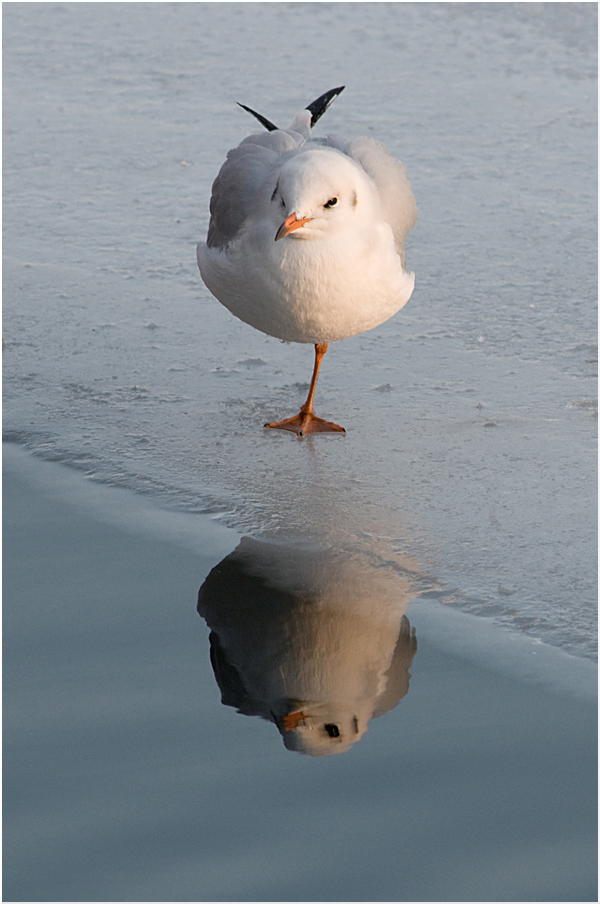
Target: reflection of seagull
point(306, 238)
point(314, 642)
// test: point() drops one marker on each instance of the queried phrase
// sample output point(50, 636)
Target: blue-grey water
point(470, 773)
point(467, 476)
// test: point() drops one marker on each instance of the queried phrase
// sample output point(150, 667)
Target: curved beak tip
point(290, 224)
point(292, 720)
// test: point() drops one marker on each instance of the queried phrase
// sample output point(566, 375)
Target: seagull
point(306, 239)
point(320, 646)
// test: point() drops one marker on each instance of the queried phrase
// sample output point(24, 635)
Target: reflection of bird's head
point(322, 730)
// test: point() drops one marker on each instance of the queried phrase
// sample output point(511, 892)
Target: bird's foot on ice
point(306, 422)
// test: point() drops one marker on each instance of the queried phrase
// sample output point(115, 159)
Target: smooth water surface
point(126, 779)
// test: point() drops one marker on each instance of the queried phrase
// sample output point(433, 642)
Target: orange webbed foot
point(304, 423)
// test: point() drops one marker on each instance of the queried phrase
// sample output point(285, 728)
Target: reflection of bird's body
point(306, 238)
point(317, 643)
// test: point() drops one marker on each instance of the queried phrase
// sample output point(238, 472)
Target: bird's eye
point(331, 203)
point(332, 730)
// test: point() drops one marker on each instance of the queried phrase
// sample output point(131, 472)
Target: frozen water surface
point(470, 415)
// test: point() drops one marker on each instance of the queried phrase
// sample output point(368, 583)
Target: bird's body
point(306, 237)
point(314, 640)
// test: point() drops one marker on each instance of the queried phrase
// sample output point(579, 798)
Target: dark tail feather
point(262, 119)
point(318, 106)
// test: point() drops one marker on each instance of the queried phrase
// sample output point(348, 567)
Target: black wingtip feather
point(318, 106)
point(262, 119)
point(316, 109)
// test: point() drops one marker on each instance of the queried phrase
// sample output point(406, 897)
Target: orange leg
point(307, 421)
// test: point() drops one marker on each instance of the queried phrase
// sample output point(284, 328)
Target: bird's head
point(323, 729)
point(319, 192)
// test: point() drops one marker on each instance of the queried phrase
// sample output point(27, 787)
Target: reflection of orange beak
point(292, 720)
point(288, 225)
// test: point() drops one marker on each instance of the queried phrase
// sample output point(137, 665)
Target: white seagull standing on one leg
point(306, 238)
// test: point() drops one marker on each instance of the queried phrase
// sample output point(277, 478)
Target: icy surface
point(470, 415)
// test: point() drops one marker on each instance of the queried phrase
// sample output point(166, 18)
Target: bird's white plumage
point(320, 632)
point(341, 273)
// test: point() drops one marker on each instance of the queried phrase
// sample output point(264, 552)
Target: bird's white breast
point(301, 290)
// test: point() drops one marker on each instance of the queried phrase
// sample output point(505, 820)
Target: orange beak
point(292, 720)
point(289, 225)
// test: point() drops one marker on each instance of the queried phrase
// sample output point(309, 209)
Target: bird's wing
point(315, 110)
point(398, 676)
point(391, 181)
point(238, 188)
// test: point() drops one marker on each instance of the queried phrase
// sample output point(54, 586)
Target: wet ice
point(118, 361)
